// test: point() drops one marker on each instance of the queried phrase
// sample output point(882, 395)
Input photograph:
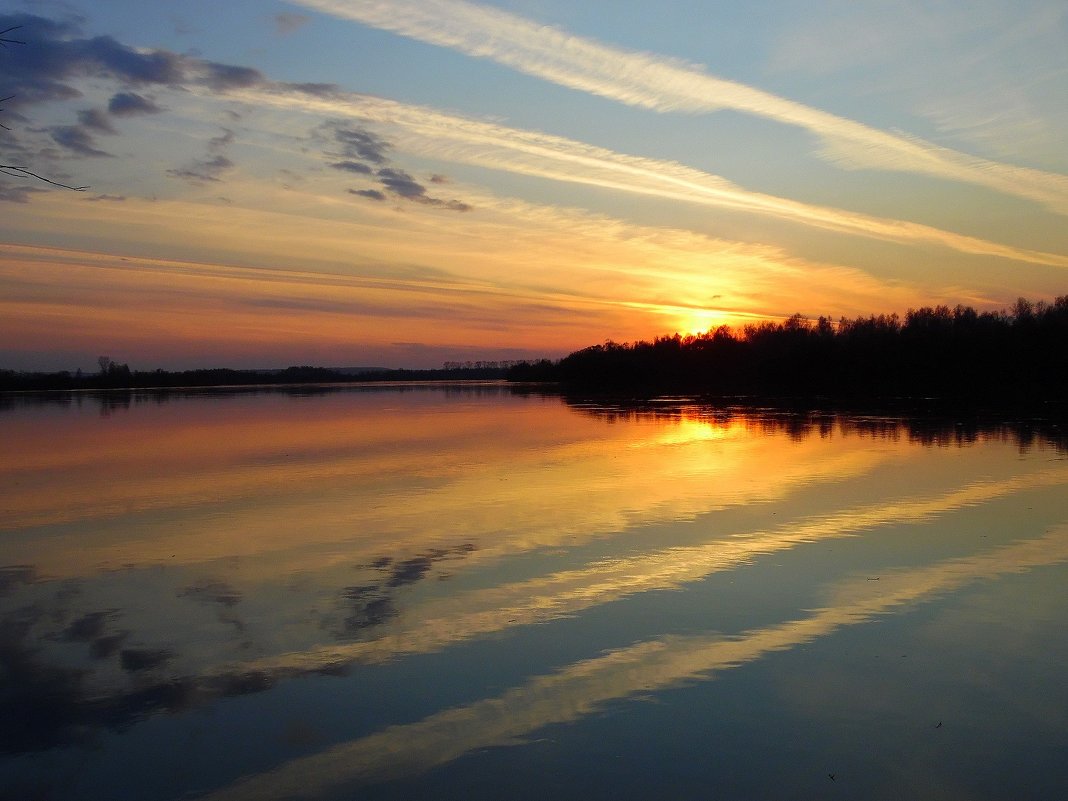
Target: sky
point(409, 182)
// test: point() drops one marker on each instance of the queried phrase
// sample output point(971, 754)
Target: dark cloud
point(105, 647)
point(373, 194)
point(54, 57)
point(88, 627)
point(135, 660)
point(360, 145)
point(375, 603)
point(203, 169)
point(126, 104)
point(111, 58)
point(112, 198)
point(368, 607)
point(352, 166)
point(287, 23)
point(44, 705)
point(96, 119)
point(400, 183)
point(76, 139)
point(221, 77)
point(394, 181)
point(410, 570)
point(39, 701)
point(45, 65)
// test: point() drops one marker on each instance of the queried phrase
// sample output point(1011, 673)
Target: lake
point(473, 592)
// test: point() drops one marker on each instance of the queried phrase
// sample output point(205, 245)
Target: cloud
point(222, 77)
point(352, 166)
point(53, 55)
point(127, 104)
point(373, 194)
point(54, 59)
point(76, 139)
point(401, 183)
point(212, 165)
point(434, 133)
point(360, 144)
point(97, 120)
point(208, 169)
point(288, 23)
point(668, 85)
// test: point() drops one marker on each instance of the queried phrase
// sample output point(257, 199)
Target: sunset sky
point(406, 182)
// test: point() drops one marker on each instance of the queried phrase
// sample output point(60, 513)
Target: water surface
point(469, 592)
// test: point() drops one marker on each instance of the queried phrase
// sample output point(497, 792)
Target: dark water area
point(482, 591)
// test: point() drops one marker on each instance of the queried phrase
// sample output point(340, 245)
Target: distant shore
point(932, 358)
point(121, 377)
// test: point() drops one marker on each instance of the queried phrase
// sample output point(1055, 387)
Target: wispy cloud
point(488, 144)
point(668, 85)
point(214, 163)
point(450, 137)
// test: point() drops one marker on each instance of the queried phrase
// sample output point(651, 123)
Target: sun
point(698, 321)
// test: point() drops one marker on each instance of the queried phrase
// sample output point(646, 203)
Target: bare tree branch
point(10, 169)
point(4, 41)
point(22, 172)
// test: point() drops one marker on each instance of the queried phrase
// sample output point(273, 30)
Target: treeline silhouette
point(120, 376)
point(1019, 355)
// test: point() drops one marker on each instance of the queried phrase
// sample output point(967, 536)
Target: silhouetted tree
point(959, 353)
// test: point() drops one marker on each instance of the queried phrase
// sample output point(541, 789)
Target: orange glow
point(700, 321)
point(326, 476)
point(292, 278)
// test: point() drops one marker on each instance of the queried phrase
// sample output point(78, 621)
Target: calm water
point(448, 593)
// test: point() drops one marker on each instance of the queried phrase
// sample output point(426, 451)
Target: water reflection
point(178, 552)
point(579, 689)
